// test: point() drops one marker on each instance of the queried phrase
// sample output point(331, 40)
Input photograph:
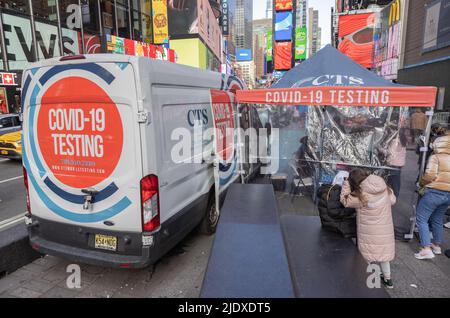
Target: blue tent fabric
point(330, 62)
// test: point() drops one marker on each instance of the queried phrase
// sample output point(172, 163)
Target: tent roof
point(330, 62)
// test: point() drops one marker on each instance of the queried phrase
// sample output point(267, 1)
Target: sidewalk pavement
point(412, 277)
point(178, 274)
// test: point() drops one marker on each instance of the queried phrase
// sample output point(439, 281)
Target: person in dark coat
point(333, 215)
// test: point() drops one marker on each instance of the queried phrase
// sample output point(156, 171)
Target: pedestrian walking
point(396, 159)
point(418, 122)
point(436, 200)
point(372, 199)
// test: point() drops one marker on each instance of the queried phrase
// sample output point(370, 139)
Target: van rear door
point(82, 144)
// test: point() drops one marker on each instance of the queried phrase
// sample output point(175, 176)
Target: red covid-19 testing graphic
point(80, 132)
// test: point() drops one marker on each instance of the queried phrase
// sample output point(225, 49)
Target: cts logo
point(197, 115)
point(331, 80)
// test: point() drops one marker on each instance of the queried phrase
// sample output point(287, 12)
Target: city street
point(253, 149)
point(12, 192)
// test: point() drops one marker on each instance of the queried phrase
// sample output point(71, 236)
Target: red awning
point(402, 96)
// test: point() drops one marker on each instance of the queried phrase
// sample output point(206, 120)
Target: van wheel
point(209, 223)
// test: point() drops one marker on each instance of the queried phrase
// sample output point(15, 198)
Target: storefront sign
point(225, 18)
point(160, 22)
point(8, 79)
point(19, 41)
point(118, 45)
point(387, 41)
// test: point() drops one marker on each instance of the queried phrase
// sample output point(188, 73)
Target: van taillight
point(25, 182)
point(150, 203)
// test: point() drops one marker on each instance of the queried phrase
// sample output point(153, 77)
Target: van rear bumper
point(73, 243)
point(79, 255)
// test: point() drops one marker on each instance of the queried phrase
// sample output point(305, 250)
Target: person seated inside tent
point(333, 215)
point(301, 156)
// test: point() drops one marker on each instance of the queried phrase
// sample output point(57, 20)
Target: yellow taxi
point(11, 145)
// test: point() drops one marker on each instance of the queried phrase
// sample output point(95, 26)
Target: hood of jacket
point(442, 145)
point(373, 185)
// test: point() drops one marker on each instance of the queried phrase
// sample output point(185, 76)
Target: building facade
point(33, 30)
point(243, 21)
point(229, 35)
point(425, 56)
point(314, 32)
point(260, 29)
point(195, 33)
point(246, 71)
point(301, 15)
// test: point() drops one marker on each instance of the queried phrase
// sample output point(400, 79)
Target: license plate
point(106, 242)
point(4, 152)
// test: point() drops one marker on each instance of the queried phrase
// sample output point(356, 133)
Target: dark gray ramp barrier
point(15, 249)
point(324, 264)
point(248, 257)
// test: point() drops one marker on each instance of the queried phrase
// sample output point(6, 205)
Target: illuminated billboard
point(243, 55)
point(269, 47)
point(356, 33)
point(387, 39)
point(160, 22)
point(283, 26)
point(283, 56)
point(284, 5)
point(300, 43)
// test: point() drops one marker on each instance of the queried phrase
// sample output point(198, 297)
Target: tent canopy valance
point(342, 96)
point(330, 78)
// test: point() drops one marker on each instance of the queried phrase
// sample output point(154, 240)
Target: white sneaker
point(447, 225)
point(424, 254)
point(436, 250)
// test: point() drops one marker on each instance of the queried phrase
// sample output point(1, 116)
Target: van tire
point(210, 220)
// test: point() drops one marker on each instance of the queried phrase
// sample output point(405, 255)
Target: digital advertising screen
point(283, 26)
point(356, 32)
point(284, 5)
point(283, 56)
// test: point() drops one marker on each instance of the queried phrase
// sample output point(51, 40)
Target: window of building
point(46, 27)
point(2, 66)
point(71, 20)
point(45, 9)
point(123, 19)
point(16, 5)
point(146, 20)
point(137, 26)
point(108, 17)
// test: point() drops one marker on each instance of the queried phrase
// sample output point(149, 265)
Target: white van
point(102, 186)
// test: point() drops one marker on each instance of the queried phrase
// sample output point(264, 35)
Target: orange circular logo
point(80, 132)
